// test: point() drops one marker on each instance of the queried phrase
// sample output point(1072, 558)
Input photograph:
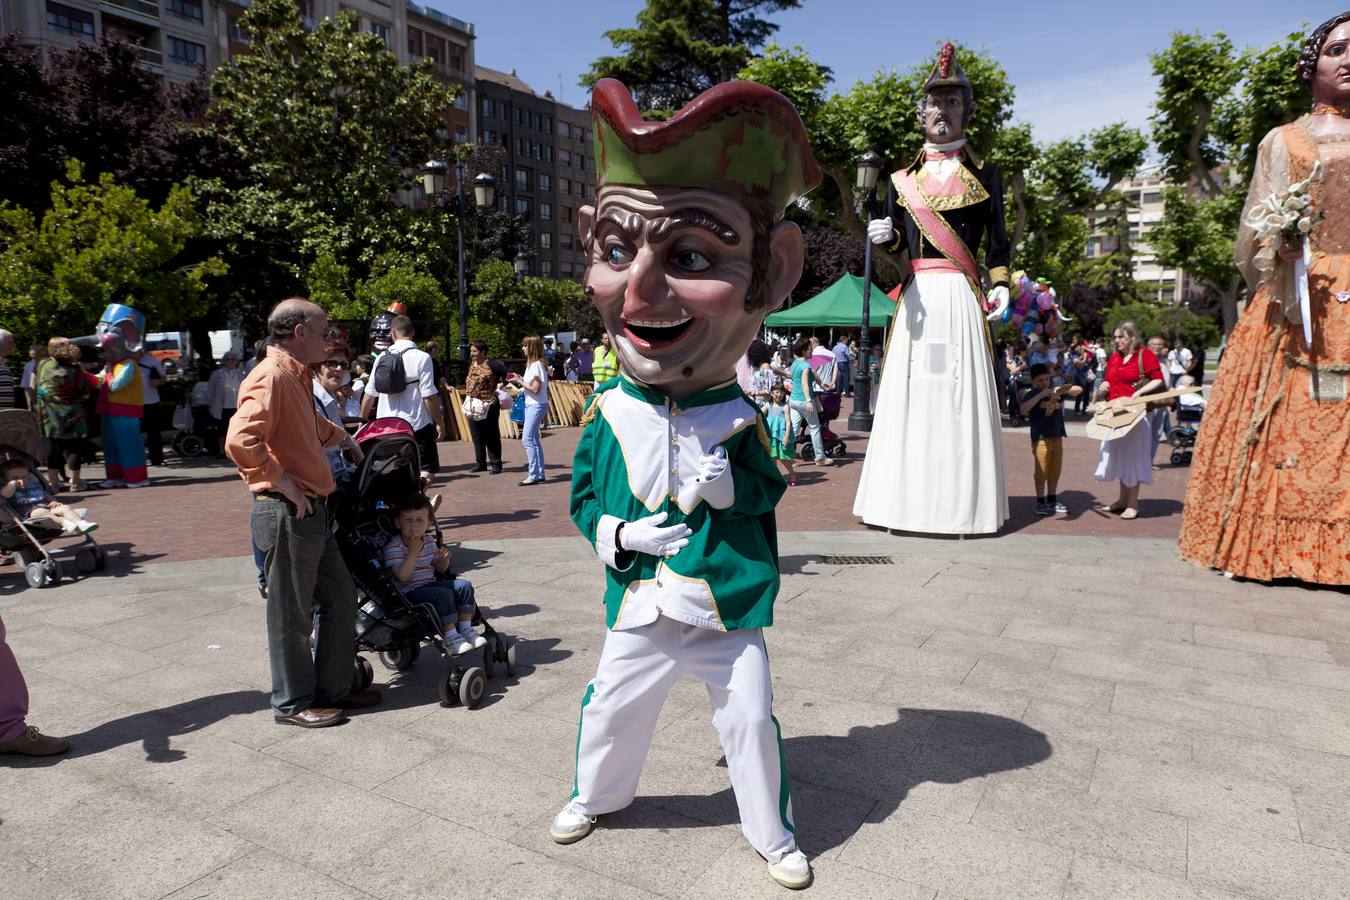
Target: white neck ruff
point(947, 147)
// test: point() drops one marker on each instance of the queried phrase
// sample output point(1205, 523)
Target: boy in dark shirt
point(1043, 405)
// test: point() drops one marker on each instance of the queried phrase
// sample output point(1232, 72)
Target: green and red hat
point(738, 138)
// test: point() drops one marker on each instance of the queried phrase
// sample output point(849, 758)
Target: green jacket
point(639, 455)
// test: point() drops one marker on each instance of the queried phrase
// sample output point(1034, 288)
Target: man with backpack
point(402, 384)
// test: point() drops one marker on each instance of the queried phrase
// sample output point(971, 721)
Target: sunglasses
point(335, 364)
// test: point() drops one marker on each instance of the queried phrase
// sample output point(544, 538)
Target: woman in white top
point(222, 392)
point(535, 385)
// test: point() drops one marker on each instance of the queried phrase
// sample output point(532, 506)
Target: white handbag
point(474, 409)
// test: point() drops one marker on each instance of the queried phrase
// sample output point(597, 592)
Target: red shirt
point(1122, 373)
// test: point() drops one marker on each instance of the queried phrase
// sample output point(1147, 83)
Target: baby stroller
point(828, 404)
point(387, 623)
point(1183, 434)
point(20, 438)
point(194, 434)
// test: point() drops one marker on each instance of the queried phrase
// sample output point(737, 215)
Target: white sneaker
point(86, 527)
point(792, 871)
point(67, 527)
point(457, 643)
point(570, 826)
point(112, 483)
point(475, 639)
point(139, 484)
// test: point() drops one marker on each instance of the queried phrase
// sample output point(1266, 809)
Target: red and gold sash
point(936, 230)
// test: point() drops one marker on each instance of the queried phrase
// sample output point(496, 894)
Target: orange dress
point(1269, 494)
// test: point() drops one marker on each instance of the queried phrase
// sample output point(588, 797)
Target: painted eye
point(616, 255)
point(690, 261)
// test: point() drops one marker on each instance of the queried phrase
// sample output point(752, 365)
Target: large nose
point(647, 285)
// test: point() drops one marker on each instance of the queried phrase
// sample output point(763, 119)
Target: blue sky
point(1076, 65)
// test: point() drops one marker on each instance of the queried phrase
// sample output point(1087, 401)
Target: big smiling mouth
point(651, 334)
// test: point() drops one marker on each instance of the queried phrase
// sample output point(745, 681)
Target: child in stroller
point(390, 624)
point(421, 567)
point(27, 496)
point(1190, 410)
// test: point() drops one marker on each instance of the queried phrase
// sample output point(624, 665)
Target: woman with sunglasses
point(330, 377)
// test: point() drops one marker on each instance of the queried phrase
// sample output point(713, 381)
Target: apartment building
point(549, 170)
point(1144, 193)
point(175, 36)
point(178, 36)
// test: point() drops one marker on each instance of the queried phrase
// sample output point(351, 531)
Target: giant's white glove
point(999, 296)
point(711, 465)
point(881, 231)
point(647, 536)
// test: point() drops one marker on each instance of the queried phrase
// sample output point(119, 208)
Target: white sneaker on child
point(475, 639)
point(457, 643)
point(792, 871)
point(570, 826)
point(86, 527)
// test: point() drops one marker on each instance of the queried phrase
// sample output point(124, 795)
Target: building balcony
point(153, 59)
point(436, 15)
point(139, 11)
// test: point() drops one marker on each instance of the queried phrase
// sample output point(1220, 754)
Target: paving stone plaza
point(1066, 710)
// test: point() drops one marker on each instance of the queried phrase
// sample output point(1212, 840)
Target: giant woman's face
point(669, 270)
point(1331, 79)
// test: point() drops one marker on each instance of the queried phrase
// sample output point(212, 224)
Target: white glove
point(999, 296)
point(712, 464)
point(880, 231)
point(647, 536)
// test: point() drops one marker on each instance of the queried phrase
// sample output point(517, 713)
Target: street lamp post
point(484, 193)
point(522, 264)
point(860, 420)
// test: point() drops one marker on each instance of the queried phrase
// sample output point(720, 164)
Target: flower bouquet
point(1287, 218)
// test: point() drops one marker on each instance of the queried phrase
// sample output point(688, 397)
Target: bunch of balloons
point(1034, 307)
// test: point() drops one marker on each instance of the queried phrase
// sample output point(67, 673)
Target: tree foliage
point(680, 48)
point(328, 127)
point(96, 103)
point(1215, 104)
point(502, 310)
point(99, 243)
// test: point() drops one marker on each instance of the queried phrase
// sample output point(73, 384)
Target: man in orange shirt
point(277, 439)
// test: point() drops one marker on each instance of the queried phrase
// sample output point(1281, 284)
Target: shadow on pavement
point(794, 565)
point(154, 729)
point(515, 515)
point(865, 776)
point(420, 685)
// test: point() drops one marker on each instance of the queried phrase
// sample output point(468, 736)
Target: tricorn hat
point(947, 71)
point(738, 138)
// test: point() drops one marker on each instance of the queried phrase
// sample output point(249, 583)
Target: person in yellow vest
point(121, 399)
point(606, 363)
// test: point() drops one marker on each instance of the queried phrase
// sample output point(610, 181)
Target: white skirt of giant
point(935, 459)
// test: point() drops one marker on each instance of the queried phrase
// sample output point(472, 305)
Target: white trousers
point(620, 707)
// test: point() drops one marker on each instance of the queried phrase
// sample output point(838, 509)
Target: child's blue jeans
point(449, 596)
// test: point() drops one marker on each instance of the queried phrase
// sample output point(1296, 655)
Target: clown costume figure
point(121, 398)
point(672, 482)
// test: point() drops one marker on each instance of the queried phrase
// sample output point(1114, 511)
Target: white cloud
point(1074, 104)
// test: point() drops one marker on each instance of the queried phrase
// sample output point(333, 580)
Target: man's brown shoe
point(316, 717)
point(358, 699)
point(33, 743)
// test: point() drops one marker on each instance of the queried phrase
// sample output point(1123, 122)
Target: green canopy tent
point(838, 306)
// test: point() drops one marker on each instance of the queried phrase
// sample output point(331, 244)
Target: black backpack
point(389, 376)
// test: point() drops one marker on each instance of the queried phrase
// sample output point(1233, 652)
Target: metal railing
point(150, 57)
point(139, 7)
point(438, 16)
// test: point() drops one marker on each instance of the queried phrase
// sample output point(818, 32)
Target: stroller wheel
point(511, 659)
point(189, 445)
point(35, 573)
point(1177, 457)
point(364, 674)
point(100, 559)
point(472, 687)
point(53, 570)
point(86, 560)
point(400, 660)
point(837, 450)
point(450, 687)
point(807, 452)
